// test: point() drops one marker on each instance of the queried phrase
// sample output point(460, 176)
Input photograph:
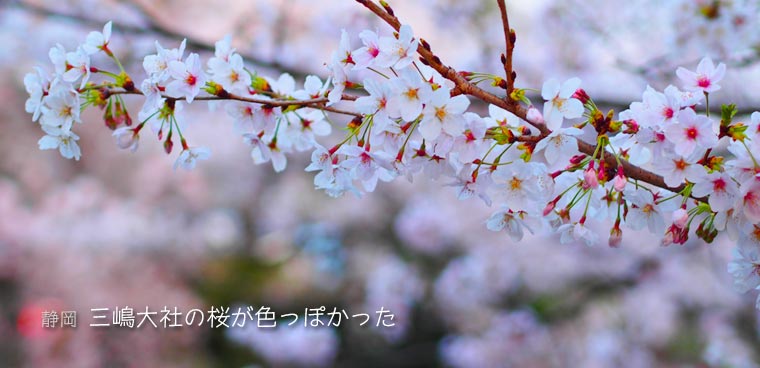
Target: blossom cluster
point(408, 120)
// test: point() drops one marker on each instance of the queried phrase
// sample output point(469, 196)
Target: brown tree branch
point(509, 39)
point(315, 103)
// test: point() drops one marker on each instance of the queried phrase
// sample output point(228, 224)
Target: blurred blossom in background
point(117, 229)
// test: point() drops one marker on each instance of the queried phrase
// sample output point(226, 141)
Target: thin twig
point(509, 38)
point(316, 103)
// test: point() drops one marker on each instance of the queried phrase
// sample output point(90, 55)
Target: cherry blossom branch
point(463, 86)
point(317, 103)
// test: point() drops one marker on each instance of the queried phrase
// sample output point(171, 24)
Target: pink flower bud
point(550, 207)
point(590, 177)
point(581, 95)
point(680, 217)
point(534, 116)
point(620, 180)
point(616, 237)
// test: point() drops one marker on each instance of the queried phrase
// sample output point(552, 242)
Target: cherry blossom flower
point(230, 74)
point(750, 199)
point(98, 41)
point(265, 150)
point(500, 117)
point(706, 77)
point(745, 266)
point(157, 65)
point(189, 157)
point(657, 109)
point(443, 112)
point(127, 138)
point(340, 82)
point(366, 166)
point(560, 145)
point(720, 189)
point(509, 221)
point(559, 102)
point(57, 55)
point(188, 78)
point(411, 93)
point(313, 87)
point(691, 133)
point(577, 232)
point(342, 56)
point(675, 169)
point(397, 53)
point(37, 85)
point(365, 56)
point(62, 139)
point(646, 212)
point(309, 125)
point(376, 103)
point(243, 115)
point(61, 110)
point(78, 66)
point(517, 184)
point(468, 185)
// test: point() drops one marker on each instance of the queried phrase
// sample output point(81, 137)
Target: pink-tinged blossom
point(342, 56)
point(559, 103)
point(675, 169)
point(157, 65)
point(304, 128)
point(188, 78)
point(646, 212)
point(333, 177)
point(470, 145)
point(705, 78)
point(376, 103)
point(264, 150)
point(78, 67)
point(243, 115)
point(366, 166)
point(397, 53)
point(750, 199)
point(691, 133)
point(468, 185)
point(230, 73)
point(313, 87)
point(720, 190)
point(364, 56)
point(657, 109)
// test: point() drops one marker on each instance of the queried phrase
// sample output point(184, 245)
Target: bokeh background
point(119, 229)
